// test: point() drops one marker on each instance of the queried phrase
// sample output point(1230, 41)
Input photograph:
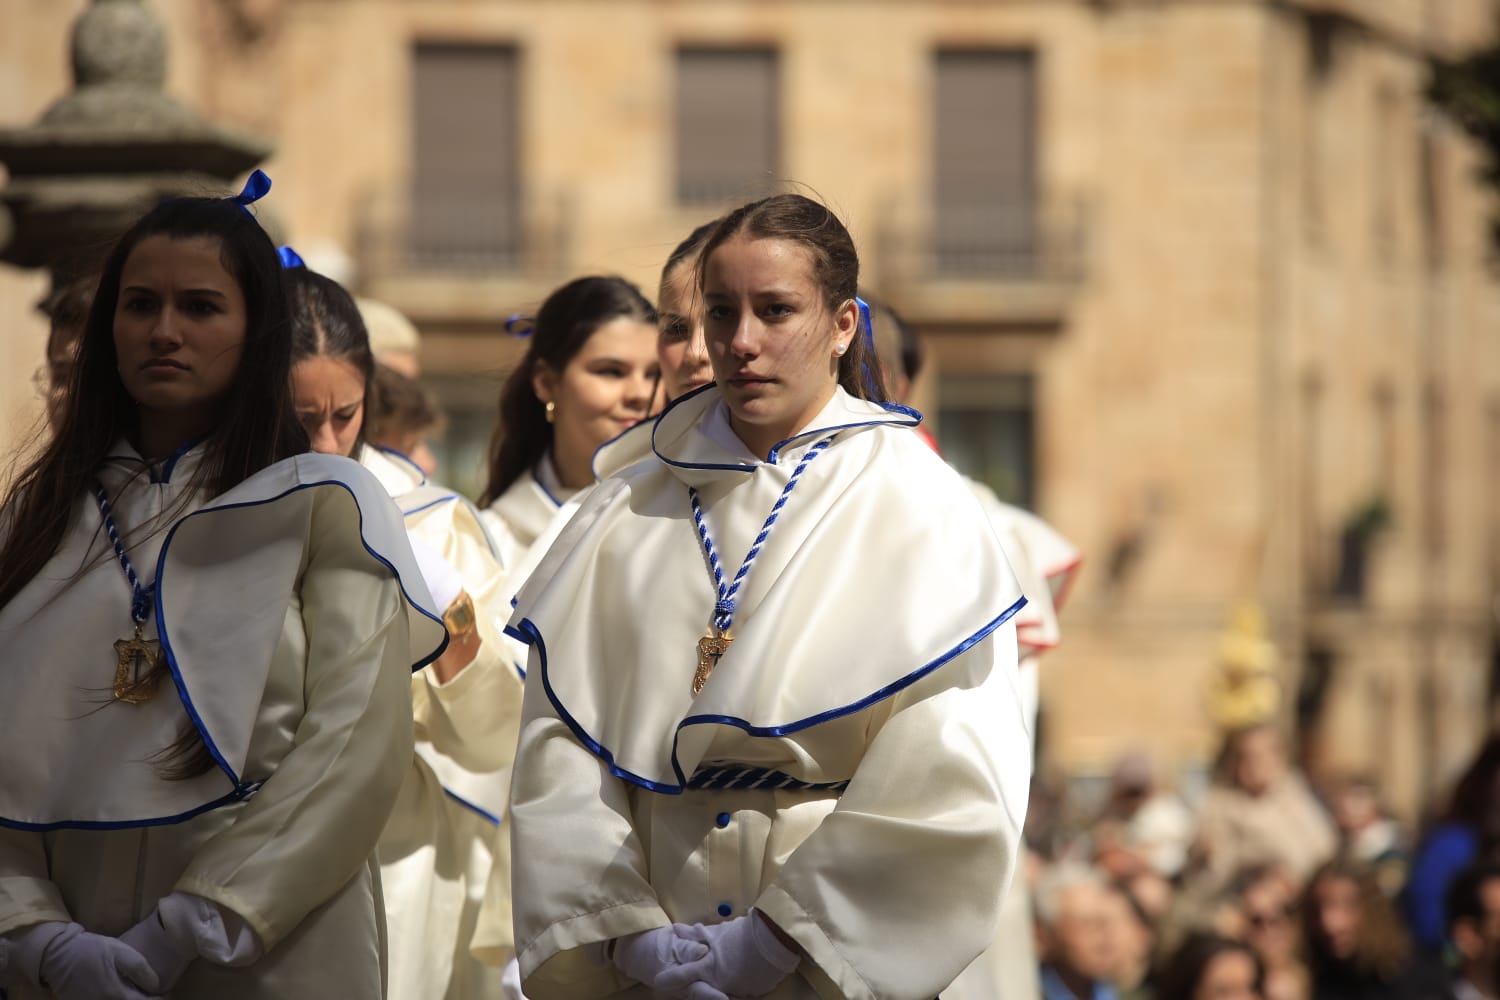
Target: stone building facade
point(1204, 281)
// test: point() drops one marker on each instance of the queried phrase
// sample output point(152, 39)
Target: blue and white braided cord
point(141, 598)
point(724, 608)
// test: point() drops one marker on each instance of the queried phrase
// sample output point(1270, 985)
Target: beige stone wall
point(1257, 275)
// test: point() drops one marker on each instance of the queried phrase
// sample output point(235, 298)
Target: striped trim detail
point(728, 777)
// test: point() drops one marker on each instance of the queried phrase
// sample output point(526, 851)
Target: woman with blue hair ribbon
point(441, 842)
point(772, 743)
point(210, 636)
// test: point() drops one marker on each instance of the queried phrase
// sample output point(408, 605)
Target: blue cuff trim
point(528, 632)
point(161, 614)
point(402, 457)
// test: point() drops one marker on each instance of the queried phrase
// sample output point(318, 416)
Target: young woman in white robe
point(441, 842)
point(588, 375)
point(209, 636)
point(772, 743)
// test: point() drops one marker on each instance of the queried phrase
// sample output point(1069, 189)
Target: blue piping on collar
point(429, 505)
point(401, 457)
point(483, 812)
point(167, 467)
point(914, 417)
point(171, 463)
point(546, 492)
point(161, 615)
point(528, 633)
point(594, 458)
point(239, 794)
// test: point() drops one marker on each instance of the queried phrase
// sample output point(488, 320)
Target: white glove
point(184, 927)
point(77, 965)
point(745, 958)
point(660, 959)
point(443, 581)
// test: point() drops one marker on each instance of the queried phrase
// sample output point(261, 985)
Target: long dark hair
point(257, 425)
point(327, 323)
point(801, 220)
point(564, 324)
point(1180, 975)
point(1382, 947)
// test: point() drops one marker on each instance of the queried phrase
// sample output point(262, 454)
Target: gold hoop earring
point(551, 411)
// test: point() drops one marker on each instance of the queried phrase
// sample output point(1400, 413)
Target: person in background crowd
point(1467, 830)
point(1474, 931)
point(1132, 932)
point(589, 374)
point(67, 311)
point(438, 848)
point(401, 418)
point(1367, 834)
point(205, 825)
point(1260, 810)
point(1142, 827)
point(393, 338)
point(1268, 896)
point(1210, 967)
point(1078, 952)
point(1356, 946)
point(679, 305)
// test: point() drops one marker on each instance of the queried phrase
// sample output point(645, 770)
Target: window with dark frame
point(985, 175)
point(987, 429)
point(465, 205)
point(728, 121)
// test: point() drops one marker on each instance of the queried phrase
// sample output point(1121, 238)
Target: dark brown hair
point(816, 229)
point(564, 324)
point(327, 323)
point(1182, 973)
point(257, 425)
point(1382, 948)
point(397, 404)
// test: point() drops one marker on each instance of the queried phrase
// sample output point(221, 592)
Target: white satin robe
point(873, 645)
point(1043, 562)
point(523, 512)
point(293, 613)
point(444, 835)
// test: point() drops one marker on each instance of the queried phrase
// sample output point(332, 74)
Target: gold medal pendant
point(138, 664)
point(713, 645)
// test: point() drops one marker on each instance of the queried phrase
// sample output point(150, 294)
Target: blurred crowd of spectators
point(1267, 890)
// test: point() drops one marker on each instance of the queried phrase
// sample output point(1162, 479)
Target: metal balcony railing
point(984, 242)
point(461, 235)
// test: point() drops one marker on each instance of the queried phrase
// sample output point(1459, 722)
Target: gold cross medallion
point(137, 669)
point(713, 645)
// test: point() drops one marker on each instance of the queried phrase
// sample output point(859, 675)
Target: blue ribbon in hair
point(866, 321)
point(871, 382)
point(256, 188)
point(519, 326)
point(290, 258)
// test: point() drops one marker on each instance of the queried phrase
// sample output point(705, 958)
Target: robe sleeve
point(475, 716)
point(580, 876)
point(315, 822)
point(27, 895)
point(899, 889)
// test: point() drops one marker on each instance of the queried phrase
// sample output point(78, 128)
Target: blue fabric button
point(725, 909)
point(722, 819)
